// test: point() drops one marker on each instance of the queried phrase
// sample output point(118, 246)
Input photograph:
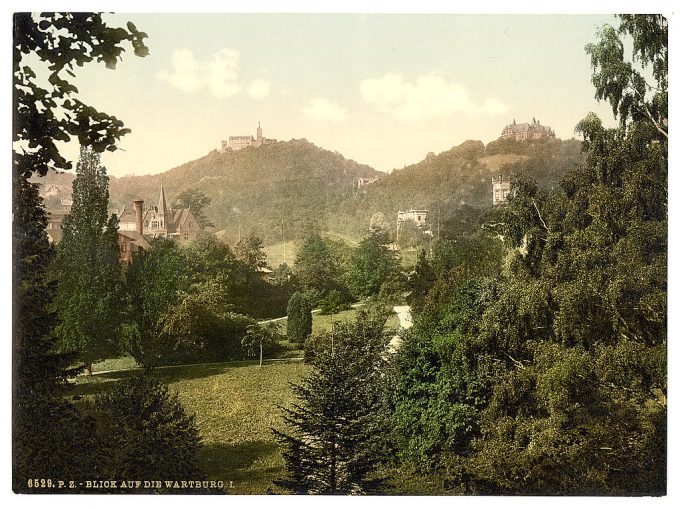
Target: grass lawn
point(280, 253)
point(235, 405)
point(323, 323)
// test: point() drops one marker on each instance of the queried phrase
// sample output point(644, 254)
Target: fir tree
point(299, 318)
point(89, 296)
point(338, 425)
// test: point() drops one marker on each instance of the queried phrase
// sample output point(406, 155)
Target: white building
point(502, 187)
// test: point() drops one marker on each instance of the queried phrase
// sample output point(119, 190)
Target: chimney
point(139, 206)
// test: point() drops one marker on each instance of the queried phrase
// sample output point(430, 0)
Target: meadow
point(236, 404)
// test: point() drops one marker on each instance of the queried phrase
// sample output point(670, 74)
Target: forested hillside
point(311, 189)
point(462, 175)
point(293, 181)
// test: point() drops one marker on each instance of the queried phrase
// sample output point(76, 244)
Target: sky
point(383, 90)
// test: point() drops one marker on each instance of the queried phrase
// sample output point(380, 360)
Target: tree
point(373, 264)
point(147, 431)
point(43, 116)
point(333, 302)
point(410, 235)
point(196, 201)
point(44, 422)
point(315, 268)
point(90, 289)
point(617, 80)
point(420, 282)
point(250, 250)
point(262, 336)
point(154, 281)
point(334, 441)
point(378, 223)
point(299, 318)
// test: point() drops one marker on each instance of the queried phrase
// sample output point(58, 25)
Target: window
point(186, 236)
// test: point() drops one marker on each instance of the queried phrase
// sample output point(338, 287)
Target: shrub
point(149, 433)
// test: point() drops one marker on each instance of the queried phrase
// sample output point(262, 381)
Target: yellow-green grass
point(409, 257)
point(235, 406)
point(281, 253)
point(115, 364)
point(324, 323)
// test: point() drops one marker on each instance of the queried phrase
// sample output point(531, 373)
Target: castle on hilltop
point(239, 142)
point(523, 132)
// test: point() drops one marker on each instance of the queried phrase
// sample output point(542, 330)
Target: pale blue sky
point(381, 89)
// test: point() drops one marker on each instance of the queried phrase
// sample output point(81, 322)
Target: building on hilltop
point(239, 142)
point(524, 132)
point(160, 221)
point(502, 187)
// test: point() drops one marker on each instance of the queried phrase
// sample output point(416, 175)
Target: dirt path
point(405, 322)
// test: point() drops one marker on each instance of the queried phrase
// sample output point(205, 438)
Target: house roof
point(135, 237)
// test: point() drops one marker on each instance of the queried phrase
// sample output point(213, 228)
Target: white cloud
point(429, 97)
point(259, 89)
point(321, 108)
point(219, 76)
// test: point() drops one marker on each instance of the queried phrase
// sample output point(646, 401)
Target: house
point(160, 221)
point(418, 216)
point(502, 186)
point(526, 131)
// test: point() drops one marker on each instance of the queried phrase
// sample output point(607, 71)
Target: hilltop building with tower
point(240, 142)
point(526, 131)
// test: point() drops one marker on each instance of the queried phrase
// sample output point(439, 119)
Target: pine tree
point(89, 296)
point(338, 425)
point(299, 318)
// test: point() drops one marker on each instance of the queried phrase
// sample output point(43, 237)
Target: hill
point(257, 188)
point(309, 188)
point(456, 177)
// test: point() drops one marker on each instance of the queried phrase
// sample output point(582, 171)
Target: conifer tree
point(338, 425)
point(89, 296)
point(299, 318)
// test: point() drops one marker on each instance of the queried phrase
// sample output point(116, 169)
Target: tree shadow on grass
point(88, 386)
point(251, 466)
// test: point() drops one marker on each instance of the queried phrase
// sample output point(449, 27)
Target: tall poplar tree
point(44, 442)
point(89, 294)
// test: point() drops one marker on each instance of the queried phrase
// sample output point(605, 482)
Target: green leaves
point(62, 41)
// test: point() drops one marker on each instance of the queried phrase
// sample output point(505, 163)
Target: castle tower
point(259, 134)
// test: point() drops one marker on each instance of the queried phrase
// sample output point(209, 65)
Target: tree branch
point(539, 216)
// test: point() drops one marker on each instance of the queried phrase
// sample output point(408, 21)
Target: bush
point(149, 433)
point(334, 302)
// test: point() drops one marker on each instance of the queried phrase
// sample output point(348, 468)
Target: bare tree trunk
point(88, 368)
point(260, 353)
